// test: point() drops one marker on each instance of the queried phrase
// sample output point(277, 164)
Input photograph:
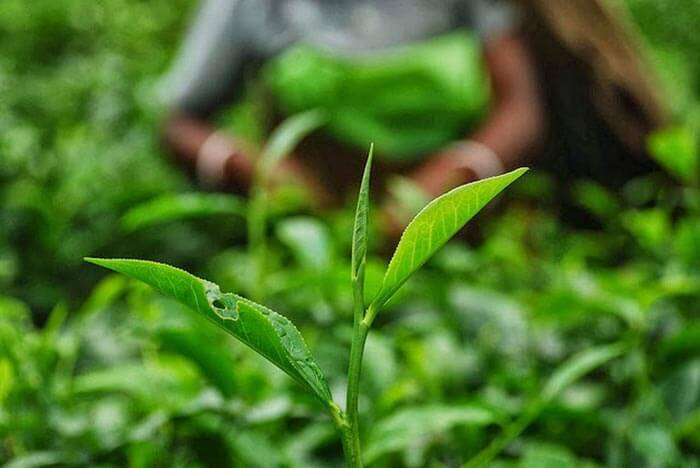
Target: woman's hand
point(458, 164)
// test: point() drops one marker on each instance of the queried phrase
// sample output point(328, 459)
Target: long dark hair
point(599, 90)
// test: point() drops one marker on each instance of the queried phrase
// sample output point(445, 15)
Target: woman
point(412, 43)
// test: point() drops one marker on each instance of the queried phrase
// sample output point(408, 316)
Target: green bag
point(409, 101)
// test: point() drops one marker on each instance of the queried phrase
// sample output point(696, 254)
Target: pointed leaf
point(288, 135)
point(435, 225)
point(359, 234)
point(578, 366)
point(409, 427)
point(175, 207)
point(265, 331)
point(217, 366)
point(309, 240)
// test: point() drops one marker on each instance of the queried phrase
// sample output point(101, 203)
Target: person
point(602, 97)
point(442, 107)
point(232, 39)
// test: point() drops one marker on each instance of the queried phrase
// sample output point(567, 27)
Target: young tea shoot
point(275, 338)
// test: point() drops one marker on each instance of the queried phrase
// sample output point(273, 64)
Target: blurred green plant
point(106, 372)
point(276, 338)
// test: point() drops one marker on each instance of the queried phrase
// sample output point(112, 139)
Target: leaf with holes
point(435, 225)
point(265, 331)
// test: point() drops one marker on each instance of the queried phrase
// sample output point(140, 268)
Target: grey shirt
point(228, 34)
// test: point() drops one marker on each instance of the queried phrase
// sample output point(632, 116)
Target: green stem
point(354, 373)
point(341, 423)
point(359, 338)
point(257, 223)
point(511, 432)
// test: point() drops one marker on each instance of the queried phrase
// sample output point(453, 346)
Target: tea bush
point(542, 345)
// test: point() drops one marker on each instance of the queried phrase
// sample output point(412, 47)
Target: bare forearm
point(198, 146)
point(512, 132)
point(516, 124)
point(513, 128)
point(217, 159)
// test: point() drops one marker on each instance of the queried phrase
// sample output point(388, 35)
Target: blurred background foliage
point(100, 371)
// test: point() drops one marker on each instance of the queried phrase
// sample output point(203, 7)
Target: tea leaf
point(408, 427)
point(435, 225)
point(676, 149)
point(168, 208)
point(568, 373)
point(309, 240)
point(548, 456)
point(265, 331)
point(359, 234)
point(217, 365)
point(578, 366)
point(287, 136)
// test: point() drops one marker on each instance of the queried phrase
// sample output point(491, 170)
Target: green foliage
point(266, 331)
point(169, 208)
point(577, 367)
point(415, 428)
point(360, 228)
point(435, 225)
point(281, 143)
point(678, 151)
point(285, 138)
point(104, 371)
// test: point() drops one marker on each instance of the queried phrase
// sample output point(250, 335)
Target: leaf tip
point(370, 156)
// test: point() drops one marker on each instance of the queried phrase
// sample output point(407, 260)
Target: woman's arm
point(514, 127)
point(215, 158)
point(206, 76)
point(219, 160)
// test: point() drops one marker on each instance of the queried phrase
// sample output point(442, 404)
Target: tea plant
point(277, 339)
point(105, 372)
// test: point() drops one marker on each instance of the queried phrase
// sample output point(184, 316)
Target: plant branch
point(510, 433)
point(359, 338)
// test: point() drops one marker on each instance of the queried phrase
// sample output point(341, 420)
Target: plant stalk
point(511, 432)
point(359, 339)
point(257, 242)
point(341, 423)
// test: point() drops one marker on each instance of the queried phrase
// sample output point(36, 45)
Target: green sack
point(410, 101)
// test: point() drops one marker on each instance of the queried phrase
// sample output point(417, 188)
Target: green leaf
point(548, 456)
point(359, 233)
point(655, 445)
point(7, 378)
point(651, 227)
point(146, 381)
point(567, 374)
point(255, 450)
point(287, 136)
point(408, 427)
point(677, 149)
point(176, 207)
point(578, 366)
point(308, 239)
point(435, 225)
point(217, 365)
point(265, 331)
point(103, 295)
point(596, 199)
point(38, 459)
